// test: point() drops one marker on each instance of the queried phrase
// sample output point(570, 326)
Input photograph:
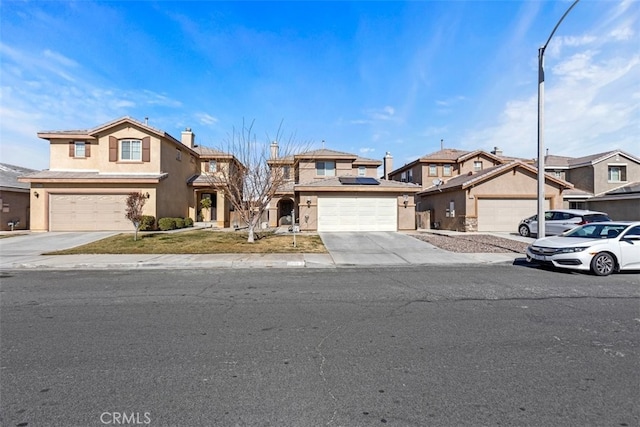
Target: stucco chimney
point(188, 137)
point(387, 164)
point(274, 150)
point(497, 151)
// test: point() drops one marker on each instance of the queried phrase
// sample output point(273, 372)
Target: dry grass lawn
point(199, 242)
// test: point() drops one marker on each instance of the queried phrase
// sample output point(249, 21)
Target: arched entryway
point(285, 206)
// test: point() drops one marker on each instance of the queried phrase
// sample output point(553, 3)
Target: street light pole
point(541, 174)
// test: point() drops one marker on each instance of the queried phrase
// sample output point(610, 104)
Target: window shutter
point(146, 149)
point(87, 149)
point(113, 149)
point(72, 149)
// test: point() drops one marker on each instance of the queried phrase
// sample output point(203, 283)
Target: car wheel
point(603, 264)
point(524, 231)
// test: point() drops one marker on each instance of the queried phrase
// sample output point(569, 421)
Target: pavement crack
point(323, 361)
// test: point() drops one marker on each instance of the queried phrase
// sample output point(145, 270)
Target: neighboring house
point(14, 198)
point(494, 199)
point(596, 176)
point(443, 165)
point(478, 191)
point(337, 191)
point(92, 172)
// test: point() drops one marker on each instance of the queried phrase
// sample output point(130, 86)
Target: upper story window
point(131, 149)
point(477, 166)
point(80, 149)
point(433, 170)
point(326, 168)
point(212, 166)
point(410, 175)
point(286, 172)
point(178, 154)
point(362, 171)
point(403, 176)
point(557, 174)
point(617, 173)
point(446, 170)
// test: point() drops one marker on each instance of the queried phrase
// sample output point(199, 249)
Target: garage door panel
point(350, 213)
point(88, 212)
point(505, 214)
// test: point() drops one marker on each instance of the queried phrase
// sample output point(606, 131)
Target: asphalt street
point(403, 346)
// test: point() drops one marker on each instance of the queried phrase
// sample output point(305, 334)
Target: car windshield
point(597, 231)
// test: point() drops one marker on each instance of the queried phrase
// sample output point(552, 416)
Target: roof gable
point(465, 181)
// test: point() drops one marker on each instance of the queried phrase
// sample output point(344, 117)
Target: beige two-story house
point(478, 191)
point(605, 182)
point(330, 190)
point(92, 171)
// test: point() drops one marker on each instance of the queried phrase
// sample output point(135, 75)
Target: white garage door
point(505, 214)
point(357, 213)
point(88, 212)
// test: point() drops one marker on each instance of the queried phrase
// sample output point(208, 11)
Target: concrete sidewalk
point(362, 250)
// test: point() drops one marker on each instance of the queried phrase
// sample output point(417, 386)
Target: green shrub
point(165, 224)
point(179, 222)
point(188, 222)
point(148, 223)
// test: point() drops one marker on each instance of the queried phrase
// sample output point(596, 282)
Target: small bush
point(188, 222)
point(148, 223)
point(165, 224)
point(179, 222)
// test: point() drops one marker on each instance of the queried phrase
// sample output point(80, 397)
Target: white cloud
point(206, 119)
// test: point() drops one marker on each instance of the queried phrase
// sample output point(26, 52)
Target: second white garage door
point(505, 214)
point(357, 213)
point(88, 212)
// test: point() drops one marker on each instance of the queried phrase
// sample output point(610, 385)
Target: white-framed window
point(403, 176)
point(362, 171)
point(477, 166)
point(131, 149)
point(178, 154)
point(286, 172)
point(617, 173)
point(433, 170)
point(80, 149)
point(212, 166)
point(446, 170)
point(410, 175)
point(557, 174)
point(326, 168)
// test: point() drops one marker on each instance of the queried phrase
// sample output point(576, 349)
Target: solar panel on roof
point(358, 180)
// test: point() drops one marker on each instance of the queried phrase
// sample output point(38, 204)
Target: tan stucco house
point(605, 182)
point(92, 171)
point(476, 190)
point(336, 191)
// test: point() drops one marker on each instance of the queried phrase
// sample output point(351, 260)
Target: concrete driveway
point(23, 247)
point(386, 248)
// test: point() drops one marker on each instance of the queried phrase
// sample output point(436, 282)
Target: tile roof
point(9, 176)
point(90, 176)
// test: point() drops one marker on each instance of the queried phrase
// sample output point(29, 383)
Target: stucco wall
point(618, 210)
point(175, 198)
point(14, 205)
point(601, 174)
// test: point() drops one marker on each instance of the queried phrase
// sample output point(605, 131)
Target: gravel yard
point(473, 243)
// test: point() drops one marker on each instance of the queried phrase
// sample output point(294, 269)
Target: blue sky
point(365, 77)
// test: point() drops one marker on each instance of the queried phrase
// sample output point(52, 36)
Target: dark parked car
point(558, 221)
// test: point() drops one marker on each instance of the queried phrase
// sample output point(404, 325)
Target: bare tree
point(135, 203)
point(250, 183)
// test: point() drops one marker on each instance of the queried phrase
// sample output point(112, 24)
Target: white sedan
point(602, 247)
